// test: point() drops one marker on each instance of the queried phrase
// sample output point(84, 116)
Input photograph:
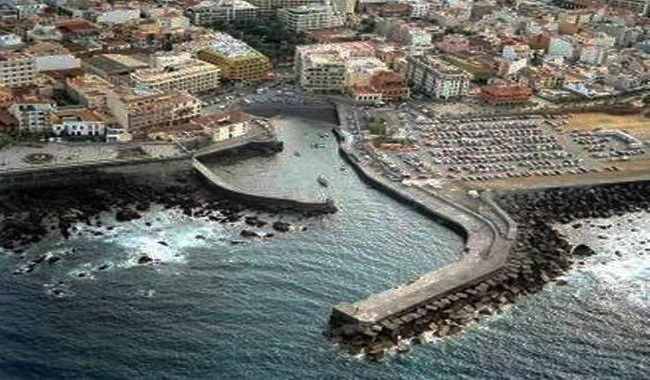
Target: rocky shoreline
point(540, 256)
point(31, 215)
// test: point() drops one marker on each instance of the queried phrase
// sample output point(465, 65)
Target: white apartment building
point(563, 47)
point(78, 124)
point(119, 16)
point(33, 115)
point(593, 55)
point(436, 78)
point(192, 75)
point(419, 8)
point(310, 17)
point(223, 11)
point(17, 69)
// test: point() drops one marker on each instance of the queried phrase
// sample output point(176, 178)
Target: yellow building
point(236, 59)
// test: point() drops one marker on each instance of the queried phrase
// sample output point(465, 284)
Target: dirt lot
point(637, 125)
point(638, 170)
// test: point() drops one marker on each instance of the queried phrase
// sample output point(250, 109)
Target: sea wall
point(486, 253)
point(258, 200)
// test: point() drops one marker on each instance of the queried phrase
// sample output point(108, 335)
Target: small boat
point(343, 168)
point(323, 181)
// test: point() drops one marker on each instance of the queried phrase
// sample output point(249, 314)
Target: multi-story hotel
point(221, 11)
point(322, 68)
point(323, 72)
point(310, 17)
point(192, 75)
point(436, 78)
point(138, 110)
point(17, 69)
point(236, 59)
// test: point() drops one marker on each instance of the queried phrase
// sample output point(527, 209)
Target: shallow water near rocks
point(210, 309)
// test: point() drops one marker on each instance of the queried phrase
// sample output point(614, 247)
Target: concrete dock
point(486, 251)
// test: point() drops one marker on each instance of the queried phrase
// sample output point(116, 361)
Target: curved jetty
point(486, 252)
point(509, 252)
point(326, 206)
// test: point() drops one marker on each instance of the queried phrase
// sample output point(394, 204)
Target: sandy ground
point(634, 124)
point(629, 171)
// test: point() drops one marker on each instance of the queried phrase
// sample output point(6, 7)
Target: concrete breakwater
point(259, 201)
point(500, 265)
point(381, 320)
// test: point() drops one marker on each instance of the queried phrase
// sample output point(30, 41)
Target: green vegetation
point(268, 37)
point(5, 140)
point(377, 126)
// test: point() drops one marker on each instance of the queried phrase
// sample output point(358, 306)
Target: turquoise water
point(258, 310)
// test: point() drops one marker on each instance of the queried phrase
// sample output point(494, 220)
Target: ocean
point(258, 310)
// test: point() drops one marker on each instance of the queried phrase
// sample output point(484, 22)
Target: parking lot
point(488, 148)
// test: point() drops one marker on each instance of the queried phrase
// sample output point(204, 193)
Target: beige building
point(138, 110)
point(89, 90)
point(209, 12)
point(236, 59)
point(310, 17)
point(191, 75)
point(17, 69)
point(321, 68)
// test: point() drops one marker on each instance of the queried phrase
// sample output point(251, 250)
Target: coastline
point(531, 254)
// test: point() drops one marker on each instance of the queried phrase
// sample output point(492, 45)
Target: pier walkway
point(486, 248)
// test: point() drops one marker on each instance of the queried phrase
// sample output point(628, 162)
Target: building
point(419, 8)
point(497, 95)
point(42, 33)
point(33, 114)
point(17, 69)
point(323, 72)
point(211, 12)
point(640, 7)
point(169, 19)
point(224, 126)
point(563, 46)
point(310, 17)
point(191, 75)
point(321, 68)
point(270, 7)
point(51, 56)
point(391, 85)
point(78, 124)
point(359, 71)
point(345, 7)
point(119, 16)
point(436, 78)
point(236, 59)
point(139, 110)
point(10, 41)
point(113, 67)
point(593, 55)
point(89, 90)
point(453, 43)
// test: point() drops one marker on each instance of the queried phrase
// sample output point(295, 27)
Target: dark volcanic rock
point(248, 233)
point(281, 226)
point(145, 260)
point(126, 215)
point(582, 250)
